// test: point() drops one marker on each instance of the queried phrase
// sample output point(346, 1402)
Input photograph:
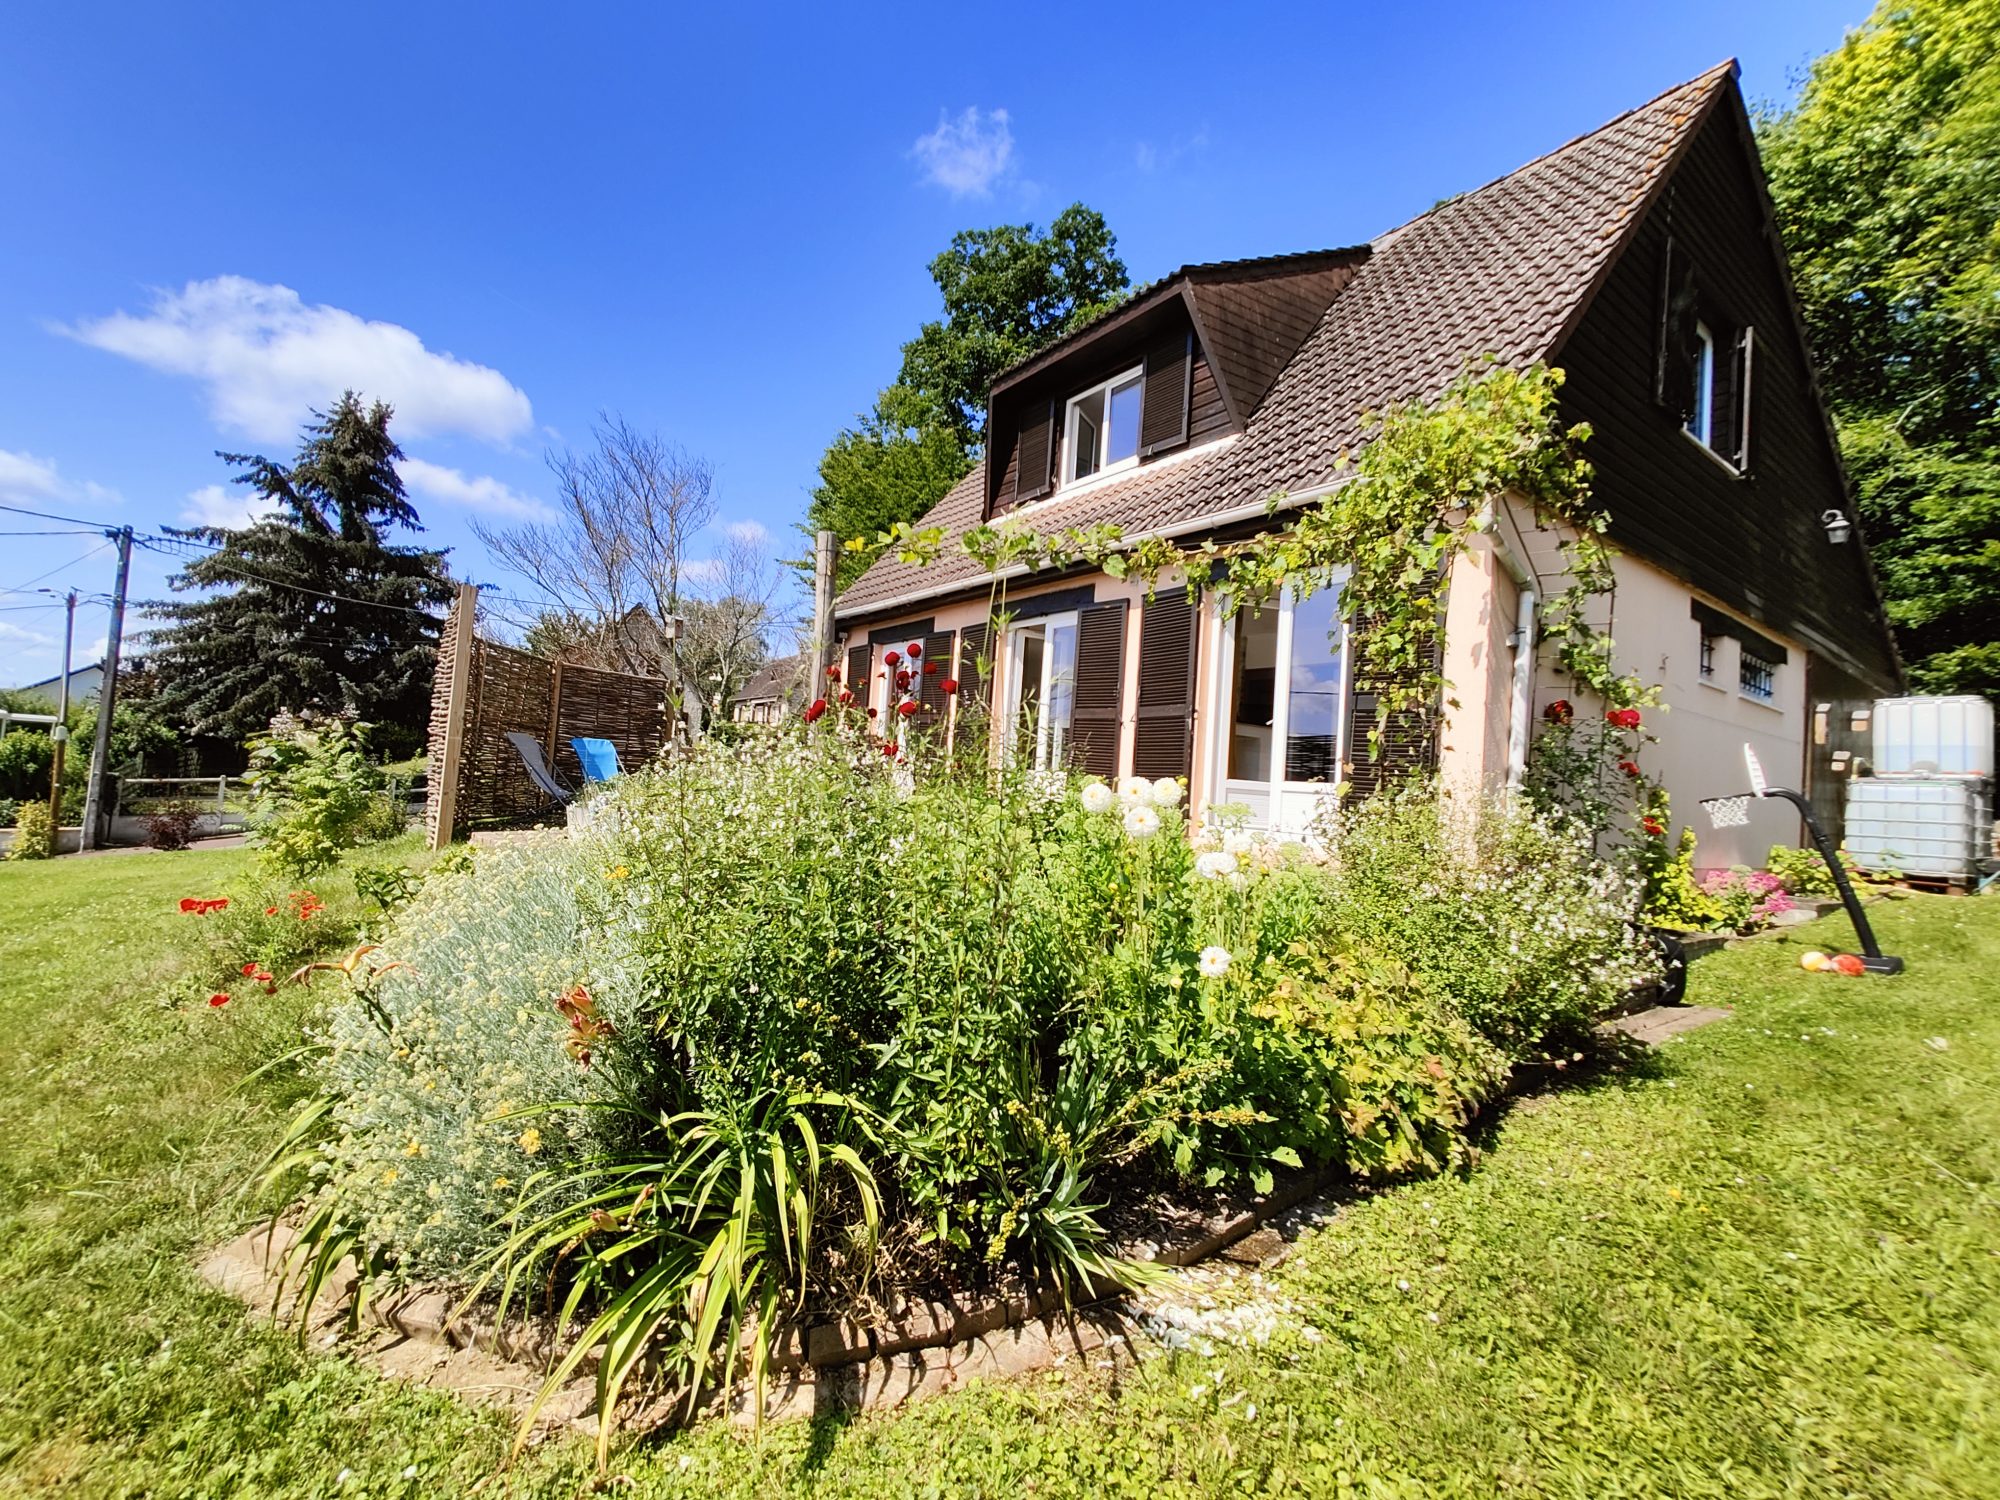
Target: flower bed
point(810, 1026)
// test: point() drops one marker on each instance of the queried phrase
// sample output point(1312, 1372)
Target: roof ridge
point(1728, 66)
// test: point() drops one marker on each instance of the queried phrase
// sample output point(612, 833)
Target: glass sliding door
point(1285, 720)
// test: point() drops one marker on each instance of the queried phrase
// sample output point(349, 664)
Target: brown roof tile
point(1504, 270)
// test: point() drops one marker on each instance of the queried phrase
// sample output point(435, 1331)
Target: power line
point(78, 531)
point(22, 588)
point(149, 543)
point(43, 515)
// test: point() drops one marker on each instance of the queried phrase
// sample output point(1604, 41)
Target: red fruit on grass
point(215, 1000)
point(1849, 965)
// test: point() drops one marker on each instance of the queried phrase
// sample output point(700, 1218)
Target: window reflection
point(1312, 739)
point(1252, 695)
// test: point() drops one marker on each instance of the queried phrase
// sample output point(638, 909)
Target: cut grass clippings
point(1763, 1261)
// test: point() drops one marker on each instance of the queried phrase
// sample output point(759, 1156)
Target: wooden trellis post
point(455, 685)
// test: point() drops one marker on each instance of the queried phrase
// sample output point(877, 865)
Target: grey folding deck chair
point(530, 750)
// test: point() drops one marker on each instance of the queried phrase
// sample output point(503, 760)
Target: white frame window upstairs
point(1285, 769)
point(1096, 439)
point(1042, 649)
point(1701, 425)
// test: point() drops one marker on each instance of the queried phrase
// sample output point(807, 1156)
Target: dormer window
point(1701, 419)
point(1101, 427)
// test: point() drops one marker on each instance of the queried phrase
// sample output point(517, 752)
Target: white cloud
point(967, 155)
point(704, 570)
point(751, 533)
point(24, 637)
point(231, 507)
point(26, 477)
point(266, 357)
point(479, 492)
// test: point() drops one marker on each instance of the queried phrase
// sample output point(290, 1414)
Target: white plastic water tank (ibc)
point(1920, 825)
point(1933, 736)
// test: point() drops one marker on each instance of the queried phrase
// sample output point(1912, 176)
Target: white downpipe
point(1524, 689)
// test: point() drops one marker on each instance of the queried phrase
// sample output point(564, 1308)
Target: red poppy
point(189, 903)
point(845, 697)
point(218, 1000)
point(1653, 826)
point(890, 658)
point(1630, 768)
point(872, 713)
point(902, 679)
point(833, 674)
point(270, 911)
point(949, 685)
point(1624, 718)
point(814, 710)
point(249, 969)
point(907, 707)
point(1559, 712)
point(914, 650)
point(889, 749)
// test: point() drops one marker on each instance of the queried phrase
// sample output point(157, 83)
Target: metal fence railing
point(225, 799)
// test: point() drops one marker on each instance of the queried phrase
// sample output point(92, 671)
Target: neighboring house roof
point(83, 680)
point(782, 677)
point(1505, 270)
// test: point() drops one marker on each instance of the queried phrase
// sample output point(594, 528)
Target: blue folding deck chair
point(599, 758)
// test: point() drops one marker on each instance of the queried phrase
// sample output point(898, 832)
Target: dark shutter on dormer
point(1034, 450)
point(1163, 418)
point(1100, 687)
point(1744, 368)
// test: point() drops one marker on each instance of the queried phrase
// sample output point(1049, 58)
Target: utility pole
point(60, 732)
point(107, 694)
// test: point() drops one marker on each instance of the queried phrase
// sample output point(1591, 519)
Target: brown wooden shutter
point(1033, 451)
point(857, 674)
point(1163, 417)
point(1409, 736)
point(1744, 367)
point(1673, 380)
point(970, 724)
point(932, 700)
point(1100, 687)
point(1163, 742)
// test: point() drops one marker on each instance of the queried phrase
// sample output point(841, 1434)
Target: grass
point(1766, 1261)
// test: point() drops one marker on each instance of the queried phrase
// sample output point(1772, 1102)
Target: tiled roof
point(1504, 270)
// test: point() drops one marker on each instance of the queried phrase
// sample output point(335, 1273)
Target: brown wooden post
point(555, 713)
point(444, 776)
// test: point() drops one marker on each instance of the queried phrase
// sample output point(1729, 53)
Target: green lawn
point(1766, 1262)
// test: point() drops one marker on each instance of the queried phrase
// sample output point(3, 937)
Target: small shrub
point(1804, 871)
point(9, 808)
point(269, 928)
point(1673, 896)
point(386, 887)
point(1746, 899)
point(316, 795)
point(34, 833)
point(172, 825)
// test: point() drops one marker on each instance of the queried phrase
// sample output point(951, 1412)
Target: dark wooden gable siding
point(1752, 540)
point(1253, 327)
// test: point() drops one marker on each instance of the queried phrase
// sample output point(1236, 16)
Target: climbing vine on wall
point(1419, 490)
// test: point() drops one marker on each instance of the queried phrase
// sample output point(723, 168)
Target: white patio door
point(1041, 685)
point(1282, 721)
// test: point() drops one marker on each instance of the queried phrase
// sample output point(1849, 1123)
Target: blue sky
point(508, 218)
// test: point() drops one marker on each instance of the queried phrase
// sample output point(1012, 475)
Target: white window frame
point(1701, 426)
point(1046, 749)
point(1288, 806)
point(1070, 476)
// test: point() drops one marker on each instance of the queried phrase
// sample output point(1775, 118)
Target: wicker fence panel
point(512, 690)
point(440, 725)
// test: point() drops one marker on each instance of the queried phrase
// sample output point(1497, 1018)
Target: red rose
point(1653, 826)
point(889, 749)
point(845, 697)
point(1629, 767)
point(907, 707)
point(1624, 718)
point(833, 674)
point(890, 658)
point(902, 679)
point(814, 710)
point(1558, 712)
point(914, 650)
point(216, 1000)
point(872, 712)
point(949, 685)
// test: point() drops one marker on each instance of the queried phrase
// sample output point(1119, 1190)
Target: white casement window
point(1041, 685)
point(1101, 427)
point(1701, 423)
point(1282, 728)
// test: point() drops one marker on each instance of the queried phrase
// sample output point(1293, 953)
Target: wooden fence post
point(455, 658)
point(555, 711)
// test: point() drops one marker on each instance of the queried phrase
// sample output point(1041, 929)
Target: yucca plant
point(692, 1243)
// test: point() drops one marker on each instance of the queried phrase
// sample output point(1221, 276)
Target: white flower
point(1135, 791)
point(1141, 821)
point(1166, 792)
point(1236, 841)
point(1096, 798)
point(1214, 962)
point(1215, 866)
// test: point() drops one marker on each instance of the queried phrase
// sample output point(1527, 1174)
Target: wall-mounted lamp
point(1838, 527)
